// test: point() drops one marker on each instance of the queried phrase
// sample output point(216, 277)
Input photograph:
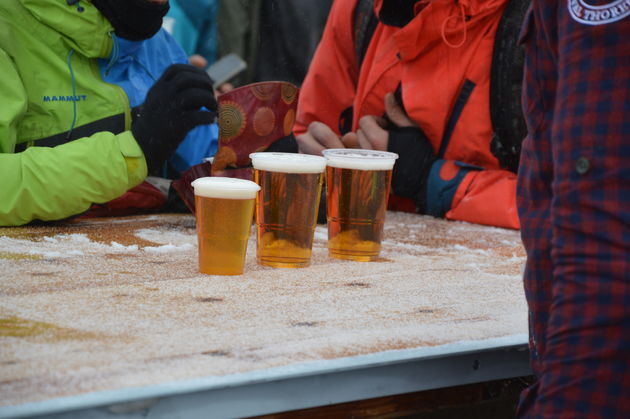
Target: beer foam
point(225, 187)
point(346, 158)
point(288, 162)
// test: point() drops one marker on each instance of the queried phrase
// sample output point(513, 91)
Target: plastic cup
point(224, 209)
point(286, 207)
point(358, 184)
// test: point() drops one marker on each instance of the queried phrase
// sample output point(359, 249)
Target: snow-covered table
point(107, 317)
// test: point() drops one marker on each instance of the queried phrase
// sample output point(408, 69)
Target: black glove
point(171, 109)
point(415, 158)
point(286, 144)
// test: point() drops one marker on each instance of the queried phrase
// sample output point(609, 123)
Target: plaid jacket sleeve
point(574, 206)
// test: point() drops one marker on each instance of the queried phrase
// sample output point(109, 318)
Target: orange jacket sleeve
point(463, 192)
point(480, 188)
point(329, 86)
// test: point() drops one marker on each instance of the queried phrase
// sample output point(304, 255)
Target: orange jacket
point(425, 57)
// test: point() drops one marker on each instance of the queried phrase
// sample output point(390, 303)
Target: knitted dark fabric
point(415, 158)
point(134, 20)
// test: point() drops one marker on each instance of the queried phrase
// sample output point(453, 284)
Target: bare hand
point(223, 88)
point(372, 133)
point(396, 114)
point(350, 140)
point(318, 137)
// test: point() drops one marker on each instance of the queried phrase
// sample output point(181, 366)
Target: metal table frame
point(298, 386)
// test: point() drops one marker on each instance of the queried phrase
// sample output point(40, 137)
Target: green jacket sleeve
point(14, 101)
point(54, 183)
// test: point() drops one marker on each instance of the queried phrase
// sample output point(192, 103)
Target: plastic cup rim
point(354, 153)
point(288, 162)
point(224, 187)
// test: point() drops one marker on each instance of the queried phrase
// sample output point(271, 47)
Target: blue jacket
point(193, 25)
point(134, 66)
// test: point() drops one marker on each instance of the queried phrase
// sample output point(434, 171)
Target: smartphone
point(225, 68)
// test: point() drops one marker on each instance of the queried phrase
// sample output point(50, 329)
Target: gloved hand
point(171, 109)
point(415, 158)
point(398, 133)
point(285, 144)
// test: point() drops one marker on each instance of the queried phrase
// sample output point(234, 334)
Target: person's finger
point(198, 61)
point(193, 99)
point(373, 132)
point(350, 140)
point(325, 136)
point(308, 145)
point(190, 80)
point(225, 87)
point(176, 69)
point(363, 141)
point(193, 119)
point(395, 113)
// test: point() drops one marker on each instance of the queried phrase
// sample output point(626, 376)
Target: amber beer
point(286, 207)
point(358, 184)
point(223, 210)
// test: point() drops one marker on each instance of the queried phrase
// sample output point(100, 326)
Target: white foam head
point(288, 162)
point(225, 187)
point(358, 159)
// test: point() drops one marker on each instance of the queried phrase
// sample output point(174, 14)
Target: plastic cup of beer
point(223, 209)
point(286, 207)
point(358, 184)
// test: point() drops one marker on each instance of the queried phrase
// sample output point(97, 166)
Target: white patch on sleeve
point(168, 23)
point(598, 15)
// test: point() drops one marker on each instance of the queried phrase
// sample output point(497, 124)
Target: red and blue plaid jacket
point(574, 205)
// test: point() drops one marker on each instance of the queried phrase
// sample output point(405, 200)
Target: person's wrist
point(415, 158)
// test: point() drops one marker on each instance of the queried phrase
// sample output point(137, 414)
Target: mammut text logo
point(598, 15)
point(64, 98)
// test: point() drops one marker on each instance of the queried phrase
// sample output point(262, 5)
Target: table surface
point(116, 306)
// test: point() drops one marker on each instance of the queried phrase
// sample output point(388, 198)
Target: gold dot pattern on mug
point(264, 121)
point(289, 119)
point(252, 117)
point(232, 120)
point(288, 92)
point(263, 91)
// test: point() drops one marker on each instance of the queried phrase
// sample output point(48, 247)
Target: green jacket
point(51, 86)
